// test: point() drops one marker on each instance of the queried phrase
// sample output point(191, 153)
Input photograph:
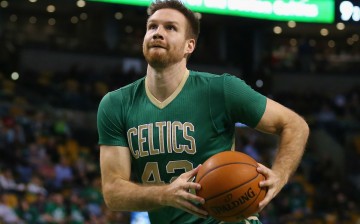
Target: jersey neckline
point(167, 101)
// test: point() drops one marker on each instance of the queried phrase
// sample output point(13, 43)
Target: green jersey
point(171, 137)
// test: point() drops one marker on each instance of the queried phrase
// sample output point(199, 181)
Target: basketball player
point(162, 127)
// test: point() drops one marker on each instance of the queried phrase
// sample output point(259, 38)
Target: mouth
point(157, 46)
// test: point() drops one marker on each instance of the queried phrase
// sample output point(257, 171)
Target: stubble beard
point(160, 59)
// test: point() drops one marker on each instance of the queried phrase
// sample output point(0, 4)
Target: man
point(162, 127)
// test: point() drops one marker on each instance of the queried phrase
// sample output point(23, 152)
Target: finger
point(193, 197)
point(266, 172)
point(191, 173)
point(192, 185)
point(201, 215)
point(263, 169)
point(268, 197)
point(265, 184)
point(191, 208)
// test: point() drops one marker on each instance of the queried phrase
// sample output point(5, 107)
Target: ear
point(190, 46)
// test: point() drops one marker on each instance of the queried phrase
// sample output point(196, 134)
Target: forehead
point(168, 15)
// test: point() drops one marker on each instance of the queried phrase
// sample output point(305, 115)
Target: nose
point(158, 34)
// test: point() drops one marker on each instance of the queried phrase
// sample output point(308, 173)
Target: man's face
point(165, 40)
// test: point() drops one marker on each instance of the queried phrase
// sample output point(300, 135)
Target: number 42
point(151, 174)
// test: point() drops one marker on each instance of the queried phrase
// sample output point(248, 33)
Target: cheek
point(183, 47)
point(145, 40)
point(147, 37)
point(145, 43)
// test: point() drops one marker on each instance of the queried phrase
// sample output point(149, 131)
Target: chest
point(178, 128)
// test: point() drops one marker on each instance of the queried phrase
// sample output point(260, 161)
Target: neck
point(163, 82)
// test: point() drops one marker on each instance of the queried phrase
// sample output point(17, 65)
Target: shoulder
point(212, 76)
point(198, 74)
point(204, 75)
point(120, 95)
point(128, 88)
point(125, 90)
point(218, 81)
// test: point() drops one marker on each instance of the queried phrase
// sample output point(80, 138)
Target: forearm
point(124, 195)
point(293, 138)
point(120, 194)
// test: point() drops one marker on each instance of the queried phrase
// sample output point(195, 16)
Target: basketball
point(230, 186)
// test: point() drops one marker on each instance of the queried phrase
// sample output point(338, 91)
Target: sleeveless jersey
point(169, 138)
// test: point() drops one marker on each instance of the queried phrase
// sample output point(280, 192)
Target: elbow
point(109, 204)
point(110, 199)
point(306, 128)
point(298, 127)
point(302, 130)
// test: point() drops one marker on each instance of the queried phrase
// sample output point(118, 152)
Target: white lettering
point(349, 11)
point(274, 8)
point(356, 14)
point(346, 10)
point(218, 4)
point(250, 6)
point(295, 9)
point(194, 2)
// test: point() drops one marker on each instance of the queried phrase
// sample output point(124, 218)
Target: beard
point(161, 57)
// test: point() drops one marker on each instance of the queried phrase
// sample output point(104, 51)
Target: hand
point(177, 194)
point(274, 182)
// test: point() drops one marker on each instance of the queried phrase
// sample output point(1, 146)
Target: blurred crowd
point(49, 167)
point(49, 157)
point(49, 170)
point(317, 56)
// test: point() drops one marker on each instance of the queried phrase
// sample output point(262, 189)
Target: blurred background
point(58, 58)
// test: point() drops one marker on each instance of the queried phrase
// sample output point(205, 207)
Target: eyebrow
point(166, 21)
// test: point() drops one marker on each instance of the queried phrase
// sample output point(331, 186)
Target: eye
point(171, 27)
point(152, 26)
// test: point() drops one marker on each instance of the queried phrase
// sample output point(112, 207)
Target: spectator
point(7, 214)
point(27, 212)
point(8, 182)
point(63, 174)
point(55, 210)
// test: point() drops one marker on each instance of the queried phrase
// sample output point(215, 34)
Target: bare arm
point(120, 194)
point(293, 132)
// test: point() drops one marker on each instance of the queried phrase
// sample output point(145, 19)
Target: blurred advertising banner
point(315, 11)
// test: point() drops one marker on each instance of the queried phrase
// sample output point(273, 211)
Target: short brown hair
point(194, 22)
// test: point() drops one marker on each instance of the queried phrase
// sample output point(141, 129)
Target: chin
point(157, 64)
point(161, 60)
point(156, 60)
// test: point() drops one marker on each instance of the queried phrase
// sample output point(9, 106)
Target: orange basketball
point(230, 186)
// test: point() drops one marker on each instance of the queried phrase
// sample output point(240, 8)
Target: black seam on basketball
point(224, 192)
point(209, 171)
